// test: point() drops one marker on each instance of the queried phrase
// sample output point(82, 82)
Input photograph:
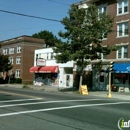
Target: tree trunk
point(80, 81)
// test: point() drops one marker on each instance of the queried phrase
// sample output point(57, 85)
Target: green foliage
point(18, 80)
point(49, 38)
point(84, 34)
point(5, 65)
point(25, 86)
point(85, 30)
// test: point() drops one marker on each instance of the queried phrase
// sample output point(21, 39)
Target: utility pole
point(109, 87)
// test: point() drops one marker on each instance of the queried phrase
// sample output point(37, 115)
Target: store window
point(121, 78)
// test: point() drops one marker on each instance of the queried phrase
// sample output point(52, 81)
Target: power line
point(5, 11)
point(58, 2)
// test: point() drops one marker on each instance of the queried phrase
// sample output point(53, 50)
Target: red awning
point(44, 69)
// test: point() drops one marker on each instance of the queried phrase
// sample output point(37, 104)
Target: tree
point(84, 33)
point(49, 38)
point(5, 65)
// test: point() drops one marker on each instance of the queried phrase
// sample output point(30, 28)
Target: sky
point(12, 25)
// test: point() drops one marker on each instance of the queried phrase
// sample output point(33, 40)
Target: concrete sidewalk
point(115, 95)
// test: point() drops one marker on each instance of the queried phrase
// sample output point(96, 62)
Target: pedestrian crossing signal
point(111, 66)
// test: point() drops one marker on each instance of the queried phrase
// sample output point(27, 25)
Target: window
point(102, 9)
point(11, 60)
point(5, 51)
point(52, 56)
point(17, 74)
point(122, 6)
point(101, 78)
point(102, 56)
point(122, 52)
point(18, 49)
point(47, 56)
point(18, 60)
point(11, 50)
point(122, 29)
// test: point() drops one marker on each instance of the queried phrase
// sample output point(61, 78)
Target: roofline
point(85, 1)
point(15, 38)
point(21, 39)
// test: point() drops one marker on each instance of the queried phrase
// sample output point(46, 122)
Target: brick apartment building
point(21, 55)
point(120, 9)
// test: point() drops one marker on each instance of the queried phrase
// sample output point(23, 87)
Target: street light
point(110, 70)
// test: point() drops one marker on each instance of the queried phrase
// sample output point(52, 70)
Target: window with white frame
point(11, 50)
point(11, 59)
point(122, 6)
point(122, 52)
point(102, 56)
point(18, 60)
point(18, 49)
point(17, 74)
point(122, 29)
point(102, 9)
point(5, 51)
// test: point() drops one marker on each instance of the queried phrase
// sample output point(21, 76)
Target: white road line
point(22, 104)
point(21, 100)
point(32, 103)
point(61, 108)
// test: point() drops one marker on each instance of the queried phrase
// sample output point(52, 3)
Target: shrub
point(1, 80)
point(18, 80)
point(25, 86)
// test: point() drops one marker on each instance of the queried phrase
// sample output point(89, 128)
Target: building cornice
point(85, 1)
point(22, 39)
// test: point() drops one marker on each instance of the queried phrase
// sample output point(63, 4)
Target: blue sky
point(12, 26)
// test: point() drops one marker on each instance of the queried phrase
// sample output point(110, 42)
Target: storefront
point(121, 75)
point(45, 75)
point(48, 72)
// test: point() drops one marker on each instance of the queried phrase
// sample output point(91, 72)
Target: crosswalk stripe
point(61, 108)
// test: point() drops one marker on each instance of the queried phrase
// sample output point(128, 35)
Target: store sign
point(41, 62)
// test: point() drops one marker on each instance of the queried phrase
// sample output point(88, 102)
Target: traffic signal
point(111, 66)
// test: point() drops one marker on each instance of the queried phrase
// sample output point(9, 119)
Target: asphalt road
point(23, 109)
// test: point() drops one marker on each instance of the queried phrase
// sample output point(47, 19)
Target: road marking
point(21, 100)
point(18, 94)
point(32, 103)
point(61, 108)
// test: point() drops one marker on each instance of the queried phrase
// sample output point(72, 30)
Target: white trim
point(122, 44)
point(122, 36)
point(122, 14)
point(122, 21)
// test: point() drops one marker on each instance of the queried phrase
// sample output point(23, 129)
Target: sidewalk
point(115, 95)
